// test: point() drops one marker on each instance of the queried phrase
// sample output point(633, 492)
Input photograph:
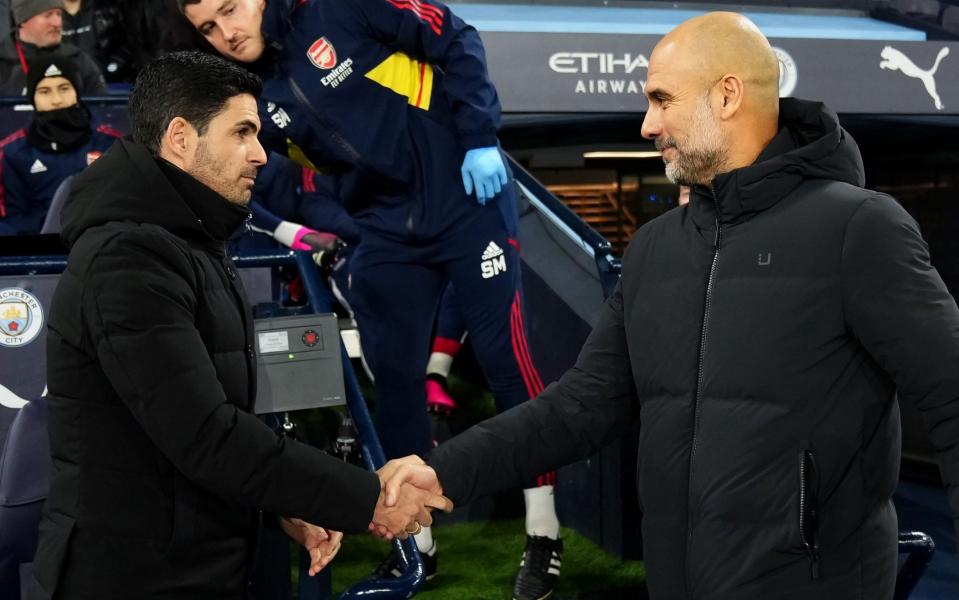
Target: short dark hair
point(189, 84)
point(182, 4)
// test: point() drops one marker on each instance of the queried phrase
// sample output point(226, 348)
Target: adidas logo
point(53, 71)
point(38, 167)
point(492, 251)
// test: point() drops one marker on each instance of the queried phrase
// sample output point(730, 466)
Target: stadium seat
point(24, 483)
point(51, 224)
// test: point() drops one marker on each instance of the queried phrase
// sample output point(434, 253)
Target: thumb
point(440, 502)
point(467, 180)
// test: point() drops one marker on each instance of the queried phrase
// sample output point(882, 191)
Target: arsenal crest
point(322, 54)
point(21, 317)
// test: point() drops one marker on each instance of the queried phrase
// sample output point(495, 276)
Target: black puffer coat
point(759, 335)
point(158, 465)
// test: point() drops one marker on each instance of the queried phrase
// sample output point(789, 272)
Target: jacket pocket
point(809, 510)
point(48, 563)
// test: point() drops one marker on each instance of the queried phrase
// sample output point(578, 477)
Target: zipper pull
point(716, 236)
point(814, 560)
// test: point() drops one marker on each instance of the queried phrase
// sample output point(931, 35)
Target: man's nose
point(652, 126)
point(257, 154)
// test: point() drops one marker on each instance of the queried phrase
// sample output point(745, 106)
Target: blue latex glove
point(483, 169)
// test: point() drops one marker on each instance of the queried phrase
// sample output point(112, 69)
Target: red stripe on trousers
point(529, 372)
point(429, 20)
point(513, 243)
point(517, 353)
point(524, 345)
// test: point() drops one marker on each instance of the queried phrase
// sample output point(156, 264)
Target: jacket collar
point(810, 144)
point(218, 217)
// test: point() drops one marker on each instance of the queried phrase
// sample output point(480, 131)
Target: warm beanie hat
point(51, 65)
point(24, 9)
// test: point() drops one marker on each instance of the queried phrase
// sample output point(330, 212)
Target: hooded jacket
point(759, 336)
point(158, 465)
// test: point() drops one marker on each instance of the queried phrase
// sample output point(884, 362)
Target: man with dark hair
point(61, 141)
point(395, 96)
point(761, 337)
point(161, 474)
point(40, 32)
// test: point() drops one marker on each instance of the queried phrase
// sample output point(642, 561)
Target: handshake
point(409, 491)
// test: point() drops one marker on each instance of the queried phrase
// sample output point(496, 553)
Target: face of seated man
point(44, 29)
point(54, 93)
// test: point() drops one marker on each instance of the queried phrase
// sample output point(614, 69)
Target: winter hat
point(24, 9)
point(51, 64)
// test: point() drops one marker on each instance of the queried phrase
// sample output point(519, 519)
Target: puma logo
point(894, 60)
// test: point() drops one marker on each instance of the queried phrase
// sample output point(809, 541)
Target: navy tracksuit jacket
point(389, 94)
point(29, 177)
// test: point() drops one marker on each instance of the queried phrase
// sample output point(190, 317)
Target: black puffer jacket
point(762, 359)
point(158, 466)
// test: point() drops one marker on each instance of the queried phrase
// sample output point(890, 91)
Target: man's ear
point(179, 142)
point(731, 88)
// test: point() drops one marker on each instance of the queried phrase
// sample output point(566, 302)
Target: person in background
point(62, 140)
point(93, 26)
point(39, 32)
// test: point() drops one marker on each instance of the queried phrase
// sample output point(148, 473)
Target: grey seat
point(51, 224)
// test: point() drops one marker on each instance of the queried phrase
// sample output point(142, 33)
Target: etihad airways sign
point(602, 63)
point(571, 72)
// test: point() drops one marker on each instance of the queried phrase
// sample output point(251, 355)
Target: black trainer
point(390, 567)
point(539, 569)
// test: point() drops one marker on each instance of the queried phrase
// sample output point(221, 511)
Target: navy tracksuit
point(29, 177)
point(389, 94)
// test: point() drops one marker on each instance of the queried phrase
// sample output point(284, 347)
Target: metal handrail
point(608, 265)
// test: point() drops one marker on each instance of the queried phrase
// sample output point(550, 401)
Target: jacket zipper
point(717, 244)
point(807, 513)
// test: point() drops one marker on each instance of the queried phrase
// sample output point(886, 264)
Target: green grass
point(479, 561)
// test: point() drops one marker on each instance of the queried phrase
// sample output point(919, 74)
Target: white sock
point(440, 364)
point(424, 541)
point(541, 519)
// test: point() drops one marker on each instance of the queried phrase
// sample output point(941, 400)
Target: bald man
point(759, 337)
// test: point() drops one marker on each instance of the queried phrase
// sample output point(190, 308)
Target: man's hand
point(400, 478)
point(322, 544)
point(409, 469)
point(407, 508)
point(483, 169)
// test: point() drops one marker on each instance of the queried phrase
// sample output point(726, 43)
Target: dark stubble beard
point(703, 155)
point(213, 173)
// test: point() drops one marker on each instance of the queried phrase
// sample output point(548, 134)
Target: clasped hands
point(409, 491)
